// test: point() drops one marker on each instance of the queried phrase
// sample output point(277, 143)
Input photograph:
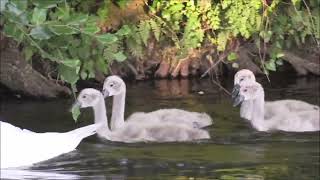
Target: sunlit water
point(235, 151)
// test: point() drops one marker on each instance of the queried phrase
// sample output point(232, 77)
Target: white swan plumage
point(21, 147)
point(115, 86)
point(285, 115)
point(131, 132)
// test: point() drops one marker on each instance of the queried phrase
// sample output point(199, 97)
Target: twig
point(207, 71)
point(216, 83)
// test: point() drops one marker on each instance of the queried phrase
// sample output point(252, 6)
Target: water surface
point(235, 151)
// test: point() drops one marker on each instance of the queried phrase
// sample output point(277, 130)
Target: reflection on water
point(235, 151)
point(33, 174)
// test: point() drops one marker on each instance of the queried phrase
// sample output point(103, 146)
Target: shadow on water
point(235, 151)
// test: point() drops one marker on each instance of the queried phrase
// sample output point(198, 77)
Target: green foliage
point(66, 31)
point(61, 34)
point(75, 111)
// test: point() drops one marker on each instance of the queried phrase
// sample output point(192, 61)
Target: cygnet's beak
point(105, 93)
point(238, 100)
point(235, 91)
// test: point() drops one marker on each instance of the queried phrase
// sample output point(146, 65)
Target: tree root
point(302, 66)
point(19, 76)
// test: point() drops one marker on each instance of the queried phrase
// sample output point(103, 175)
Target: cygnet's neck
point(118, 106)
point(100, 117)
point(257, 109)
point(246, 109)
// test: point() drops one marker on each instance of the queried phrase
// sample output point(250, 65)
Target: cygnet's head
point(248, 91)
point(113, 85)
point(240, 77)
point(88, 97)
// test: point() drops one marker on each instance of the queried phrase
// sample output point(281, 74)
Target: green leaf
point(75, 110)
point(156, 29)
point(3, 5)
point(28, 52)
point(279, 55)
point(12, 8)
point(91, 29)
point(39, 16)
point(266, 35)
point(119, 56)
point(68, 74)
point(63, 13)
point(84, 51)
point(84, 75)
point(144, 31)
point(72, 63)
point(40, 32)
point(59, 29)
point(125, 30)
point(12, 30)
point(45, 3)
point(222, 40)
point(232, 56)
point(107, 38)
point(77, 19)
point(102, 65)
point(19, 4)
point(279, 62)
point(271, 65)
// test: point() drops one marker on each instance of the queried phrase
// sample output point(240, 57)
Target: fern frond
point(108, 53)
point(134, 42)
point(144, 31)
point(156, 28)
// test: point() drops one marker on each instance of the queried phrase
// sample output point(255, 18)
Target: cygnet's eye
point(111, 85)
point(84, 96)
point(241, 79)
point(245, 90)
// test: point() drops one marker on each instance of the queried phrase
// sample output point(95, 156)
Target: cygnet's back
point(177, 116)
point(165, 132)
point(293, 105)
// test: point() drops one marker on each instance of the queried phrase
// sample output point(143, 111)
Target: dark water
point(235, 151)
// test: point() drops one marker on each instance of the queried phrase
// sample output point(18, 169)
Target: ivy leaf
point(279, 55)
point(62, 29)
point(12, 30)
point(40, 32)
point(91, 29)
point(84, 51)
point(28, 52)
point(119, 56)
point(84, 75)
point(39, 16)
point(232, 56)
point(68, 74)
point(72, 63)
point(45, 3)
point(75, 110)
point(77, 19)
point(12, 8)
point(271, 65)
point(107, 38)
point(3, 5)
point(279, 62)
point(21, 5)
